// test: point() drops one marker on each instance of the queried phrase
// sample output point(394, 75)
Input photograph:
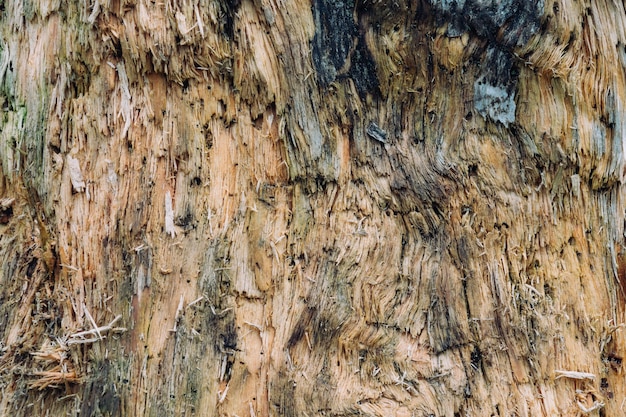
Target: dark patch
point(267, 194)
point(324, 330)
point(363, 69)
point(604, 383)
point(445, 329)
point(499, 69)
point(298, 332)
point(338, 49)
point(79, 78)
point(615, 361)
point(476, 358)
point(472, 170)
point(192, 389)
point(420, 185)
point(186, 221)
point(221, 327)
point(284, 392)
point(219, 320)
point(320, 328)
point(101, 396)
point(5, 214)
point(228, 335)
point(117, 45)
point(465, 253)
point(32, 265)
point(230, 8)
point(510, 23)
point(334, 33)
point(227, 340)
point(126, 287)
point(547, 290)
point(54, 148)
point(527, 147)
point(329, 306)
point(208, 136)
point(504, 25)
point(258, 122)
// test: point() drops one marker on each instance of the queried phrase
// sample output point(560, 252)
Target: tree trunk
point(301, 208)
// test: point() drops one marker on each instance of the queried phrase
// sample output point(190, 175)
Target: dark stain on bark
point(285, 393)
point(499, 69)
point(100, 396)
point(444, 327)
point(334, 30)
point(230, 8)
point(218, 321)
point(303, 323)
point(505, 25)
point(339, 50)
point(510, 22)
point(5, 214)
point(363, 69)
point(329, 306)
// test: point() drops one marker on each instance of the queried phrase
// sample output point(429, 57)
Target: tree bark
point(300, 208)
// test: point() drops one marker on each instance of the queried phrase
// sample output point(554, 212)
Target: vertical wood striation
point(312, 208)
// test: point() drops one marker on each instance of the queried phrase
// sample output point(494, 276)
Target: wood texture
point(301, 208)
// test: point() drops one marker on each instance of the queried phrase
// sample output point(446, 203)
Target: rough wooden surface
point(262, 207)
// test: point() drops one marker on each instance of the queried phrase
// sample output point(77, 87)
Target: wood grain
point(210, 172)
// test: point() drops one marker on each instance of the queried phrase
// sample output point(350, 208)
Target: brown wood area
point(312, 208)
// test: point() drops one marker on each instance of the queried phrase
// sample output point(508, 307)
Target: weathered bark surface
point(406, 208)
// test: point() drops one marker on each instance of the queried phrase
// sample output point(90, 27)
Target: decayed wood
point(312, 208)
